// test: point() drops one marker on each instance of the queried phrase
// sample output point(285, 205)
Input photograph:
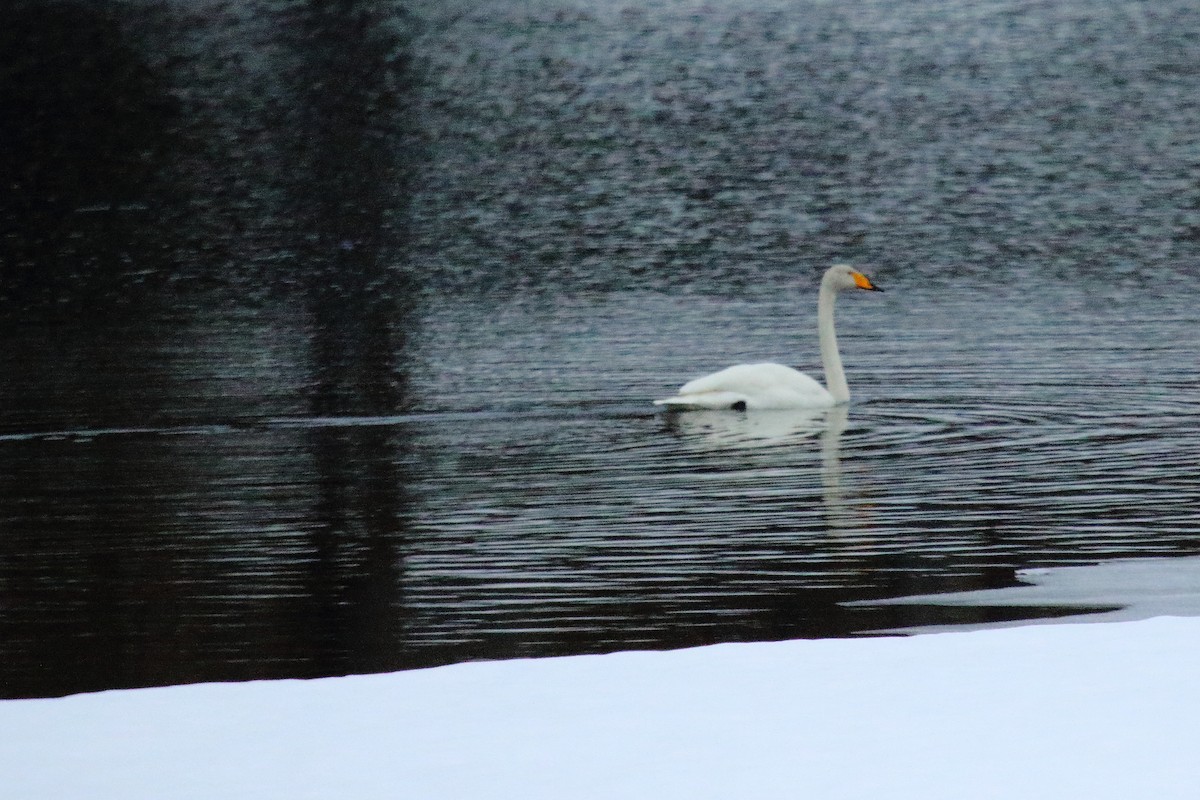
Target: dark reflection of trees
point(350, 147)
point(83, 131)
point(350, 621)
point(349, 141)
point(145, 168)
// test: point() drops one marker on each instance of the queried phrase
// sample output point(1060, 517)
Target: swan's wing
point(751, 386)
point(754, 380)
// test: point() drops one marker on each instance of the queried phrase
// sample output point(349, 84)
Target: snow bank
point(1096, 711)
point(1134, 588)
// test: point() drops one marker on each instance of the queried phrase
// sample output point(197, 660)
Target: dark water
point(330, 331)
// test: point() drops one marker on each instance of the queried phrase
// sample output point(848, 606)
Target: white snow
point(1064, 711)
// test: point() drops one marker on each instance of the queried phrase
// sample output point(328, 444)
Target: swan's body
point(751, 386)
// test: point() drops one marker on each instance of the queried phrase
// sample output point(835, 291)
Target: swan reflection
point(716, 431)
point(841, 515)
point(725, 429)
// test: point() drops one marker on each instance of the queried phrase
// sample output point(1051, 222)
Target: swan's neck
point(835, 376)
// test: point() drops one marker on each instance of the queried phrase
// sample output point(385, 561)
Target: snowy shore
point(1089, 710)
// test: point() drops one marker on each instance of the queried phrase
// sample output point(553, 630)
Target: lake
point(331, 337)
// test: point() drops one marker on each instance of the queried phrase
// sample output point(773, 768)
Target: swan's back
point(748, 386)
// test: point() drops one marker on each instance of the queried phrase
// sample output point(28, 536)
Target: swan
point(749, 386)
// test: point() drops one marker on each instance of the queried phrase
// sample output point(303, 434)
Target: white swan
point(747, 386)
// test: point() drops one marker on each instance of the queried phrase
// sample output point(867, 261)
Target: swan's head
point(844, 276)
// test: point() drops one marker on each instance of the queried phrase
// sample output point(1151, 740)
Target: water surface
point(346, 362)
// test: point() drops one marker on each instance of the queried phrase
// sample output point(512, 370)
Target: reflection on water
point(714, 431)
point(330, 334)
point(718, 429)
